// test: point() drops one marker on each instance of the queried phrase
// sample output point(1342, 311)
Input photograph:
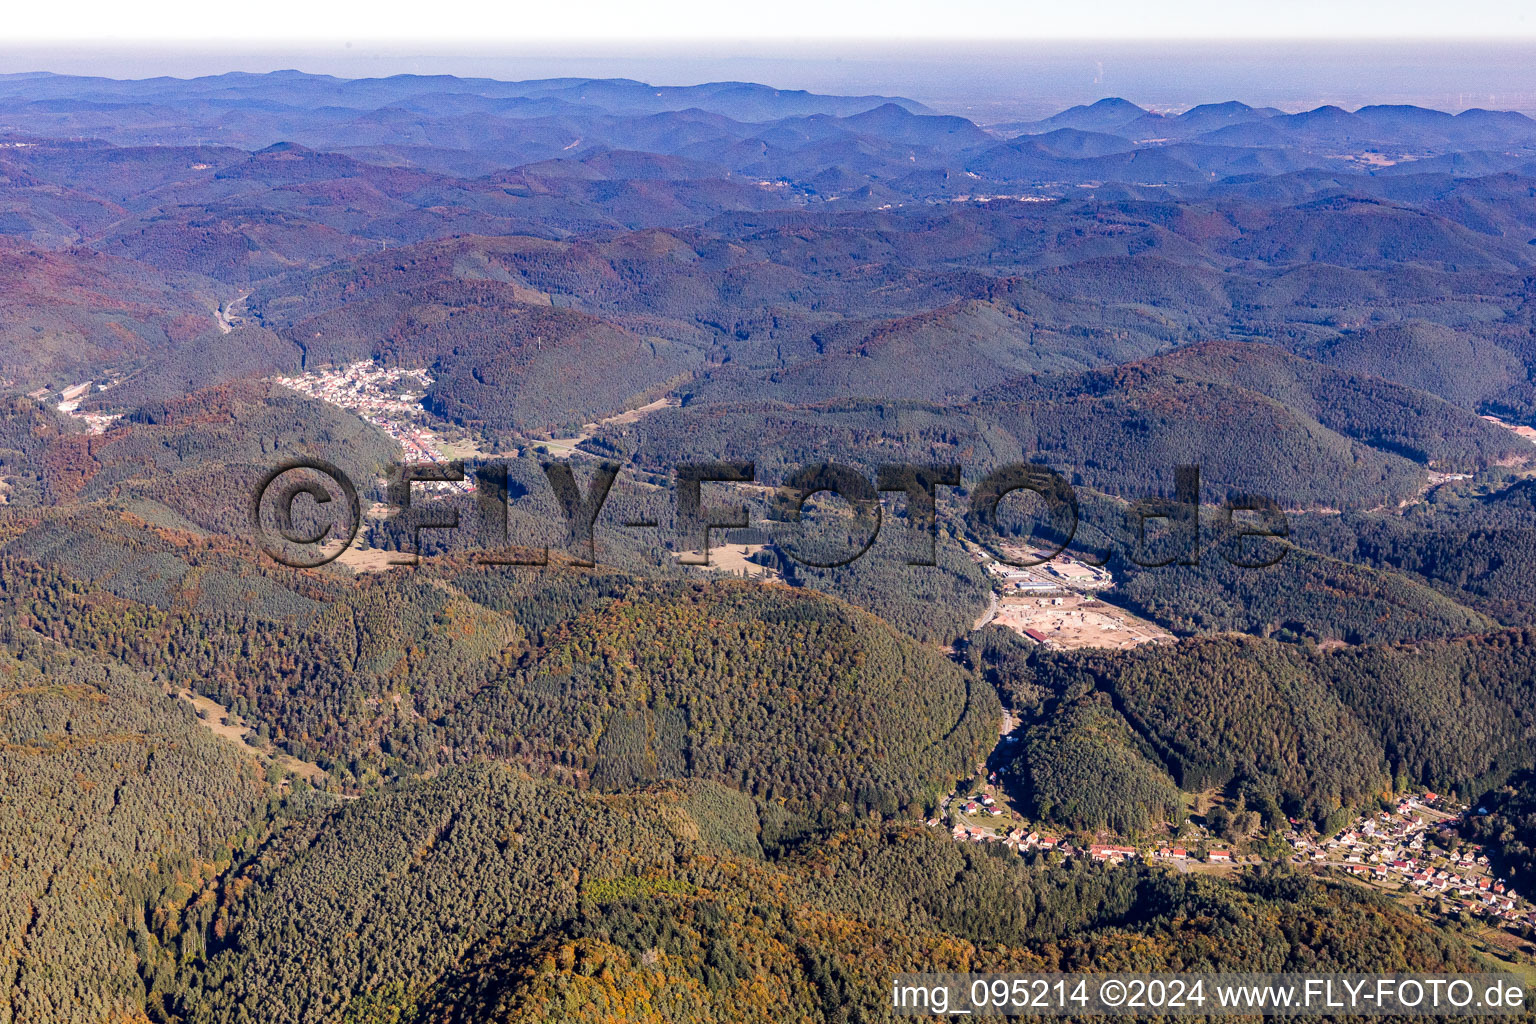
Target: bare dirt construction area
point(365, 559)
point(1529, 433)
point(1519, 430)
point(634, 414)
point(1072, 621)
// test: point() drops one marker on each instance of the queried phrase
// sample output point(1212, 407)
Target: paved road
point(989, 615)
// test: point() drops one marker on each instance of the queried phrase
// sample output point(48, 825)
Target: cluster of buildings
point(388, 399)
point(964, 814)
point(1020, 841)
point(366, 388)
point(1015, 839)
point(1062, 575)
point(68, 401)
point(1399, 846)
point(1058, 602)
point(986, 805)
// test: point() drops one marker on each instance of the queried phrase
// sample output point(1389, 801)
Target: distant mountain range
point(557, 250)
point(821, 145)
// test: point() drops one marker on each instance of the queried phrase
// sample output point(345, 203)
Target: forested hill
point(642, 790)
point(1297, 731)
point(642, 907)
point(783, 694)
point(552, 256)
point(117, 803)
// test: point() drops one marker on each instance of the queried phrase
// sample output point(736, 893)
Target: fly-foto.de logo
point(305, 512)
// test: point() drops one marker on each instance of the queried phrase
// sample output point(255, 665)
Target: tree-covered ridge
point(117, 808)
point(191, 465)
point(501, 356)
point(571, 279)
point(779, 437)
point(778, 693)
point(1220, 710)
point(1123, 431)
point(29, 432)
point(1254, 418)
point(1369, 408)
point(550, 795)
point(1083, 766)
point(1505, 820)
point(781, 692)
point(1329, 577)
point(96, 553)
point(1303, 596)
point(1296, 729)
point(387, 884)
point(935, 604)
point(1453, 714)
point(717, 965)
point(1474, 545)
point(193, 461)
point(590, 908)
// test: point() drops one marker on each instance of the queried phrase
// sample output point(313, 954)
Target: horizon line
point(479, 47)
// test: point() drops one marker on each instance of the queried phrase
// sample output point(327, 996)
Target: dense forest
point(1475, 546)
point(1301, 730)
point(606, 785)
point(614, 678)
point(118, 808)
point(1505, 819)
point(1304, 596)
point(1082, 766)
point(649, 907)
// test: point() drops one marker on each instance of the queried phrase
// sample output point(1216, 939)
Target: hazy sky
point(522, 22)
point(991, 60)
point(990, 82)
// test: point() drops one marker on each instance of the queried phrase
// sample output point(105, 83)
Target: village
point(387, 399)
point(1417, 847)
point(985, 814)
point(1415, 850)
